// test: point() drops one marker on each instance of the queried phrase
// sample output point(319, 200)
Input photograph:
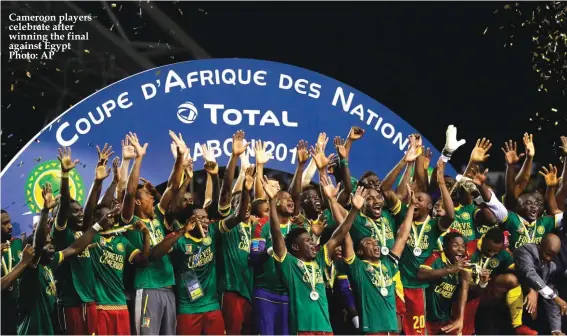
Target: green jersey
point(75, 278)
point(194, 261)
point(523, 232)
point(503, 262)
point(441, 293)
point(308, 311)
point(159, 273)
point(236, 273)
point(110, 256)
point(10, 258)
point(376, 293)
point(265, 275)
point(464, 222)
point(382, 229)
point(427, 233)
point(37, 299)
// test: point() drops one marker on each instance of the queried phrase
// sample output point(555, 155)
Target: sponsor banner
point(207, 101)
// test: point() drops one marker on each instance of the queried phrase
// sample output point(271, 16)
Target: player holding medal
point(301, 267)
point(372, 272)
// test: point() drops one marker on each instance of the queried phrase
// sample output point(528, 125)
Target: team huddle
point(407, 254)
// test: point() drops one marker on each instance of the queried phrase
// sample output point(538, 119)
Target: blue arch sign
point(206, 101)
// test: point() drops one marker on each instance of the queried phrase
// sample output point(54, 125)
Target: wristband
point(445, 158)
point(64, 174)
point(483, 284)
point(97, 227)
point(270, 251)
point(446, 153)
point(343, 163)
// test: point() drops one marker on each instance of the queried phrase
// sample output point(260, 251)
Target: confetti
point(20, 164)
point(33, 107)
point(38, 159)
point(11, 87)
point(28, 74)
point(87, 51)
point(485, 30)
point(57, 69)
point(112, 27)
point(8, 106)
point(553, 109)
point(11, 135)
point(113, 5)
point(180, 11)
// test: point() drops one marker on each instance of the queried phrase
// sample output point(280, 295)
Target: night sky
point(428, 62)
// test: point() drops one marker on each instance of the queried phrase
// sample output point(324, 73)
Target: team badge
point(427, 227)
point(466, 216)
point(540, 230)
point(146, 322)
point(207, 241)
point(188, 249)
point(120, 247)
point(494, 263)
point(50, 171)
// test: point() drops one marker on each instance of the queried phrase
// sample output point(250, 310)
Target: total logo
point(187, 113)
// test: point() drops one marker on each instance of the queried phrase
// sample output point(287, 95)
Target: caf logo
point(427, 228)
point(50, 171)
point(466, 216)
point(494, 263)
point(540, 230)
point(120, 247)
point(187, 113)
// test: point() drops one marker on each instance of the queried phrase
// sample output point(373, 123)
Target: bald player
point(536, 271)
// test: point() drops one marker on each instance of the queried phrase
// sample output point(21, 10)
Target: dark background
point(428, 62)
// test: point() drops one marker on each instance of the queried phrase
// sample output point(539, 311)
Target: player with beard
point(76, 293)
point(422, 242)
point(11, 254)
point(372, 275)
point(448, 286)
point(154, 312)
point(301, 267)
point(37, 286)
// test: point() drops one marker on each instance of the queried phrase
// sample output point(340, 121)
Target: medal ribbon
point(381, 278)
point(311, 276)
point(246, 234)
point(481, 266)
point(152, 233)
point(381, 237)
point(417, 238)
point(331, 276)
point(9, 268)
point(526, 231)
point(51, 280)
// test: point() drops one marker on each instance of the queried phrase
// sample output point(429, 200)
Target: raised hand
point(211, 167)
point(64, 157)
point(140, 150)
point(329, 189)
point(563, 146)
point(418, 140)
point(260, 152)
point(411, 194)
point(359, 197)
point(413, 151)
point(249, 178)
point(355, 133)
point(238, 146)
point(529, 144)
point(340, 147)
point(550, 176)
point(181, 147)
point(270, 190)
point(208, 154)
point(477, 177)
point(48, 198)
point(318, 155)
point(116, 169)
point(440, 171)
point(128, 151)
point(322, 141)
point(451, 143)
point(28, 254)
point(479, 151)
point(104, 154)
point(101, 172)
point(302, 153)
point(510, 151)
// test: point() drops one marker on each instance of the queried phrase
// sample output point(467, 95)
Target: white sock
point(355, 322)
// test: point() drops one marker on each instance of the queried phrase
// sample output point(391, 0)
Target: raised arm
point(178, 196)
point(344, 195)
point(523, 177)
point(402, 189)
point(405, 228)
point(128, 154)
point(67, 164)
point(419, 171)
point(261, 159)
point(130, 196)
point(41, 231)
point(410, 156)
point(478, 154)
point(238, 147)
point(511, 156)
point(488, 197)
point(295, 188)
point(344, 227)
point(354, 134)
point(244, 163)
point(174, 182)
point(277, 237)
point(330, 192)
point(562, 192)
point(108, 196)
point(101, 173)
point(445, 221)
point(240, 215)
point(27, 258)
point(550, 176)
point(318, 155)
